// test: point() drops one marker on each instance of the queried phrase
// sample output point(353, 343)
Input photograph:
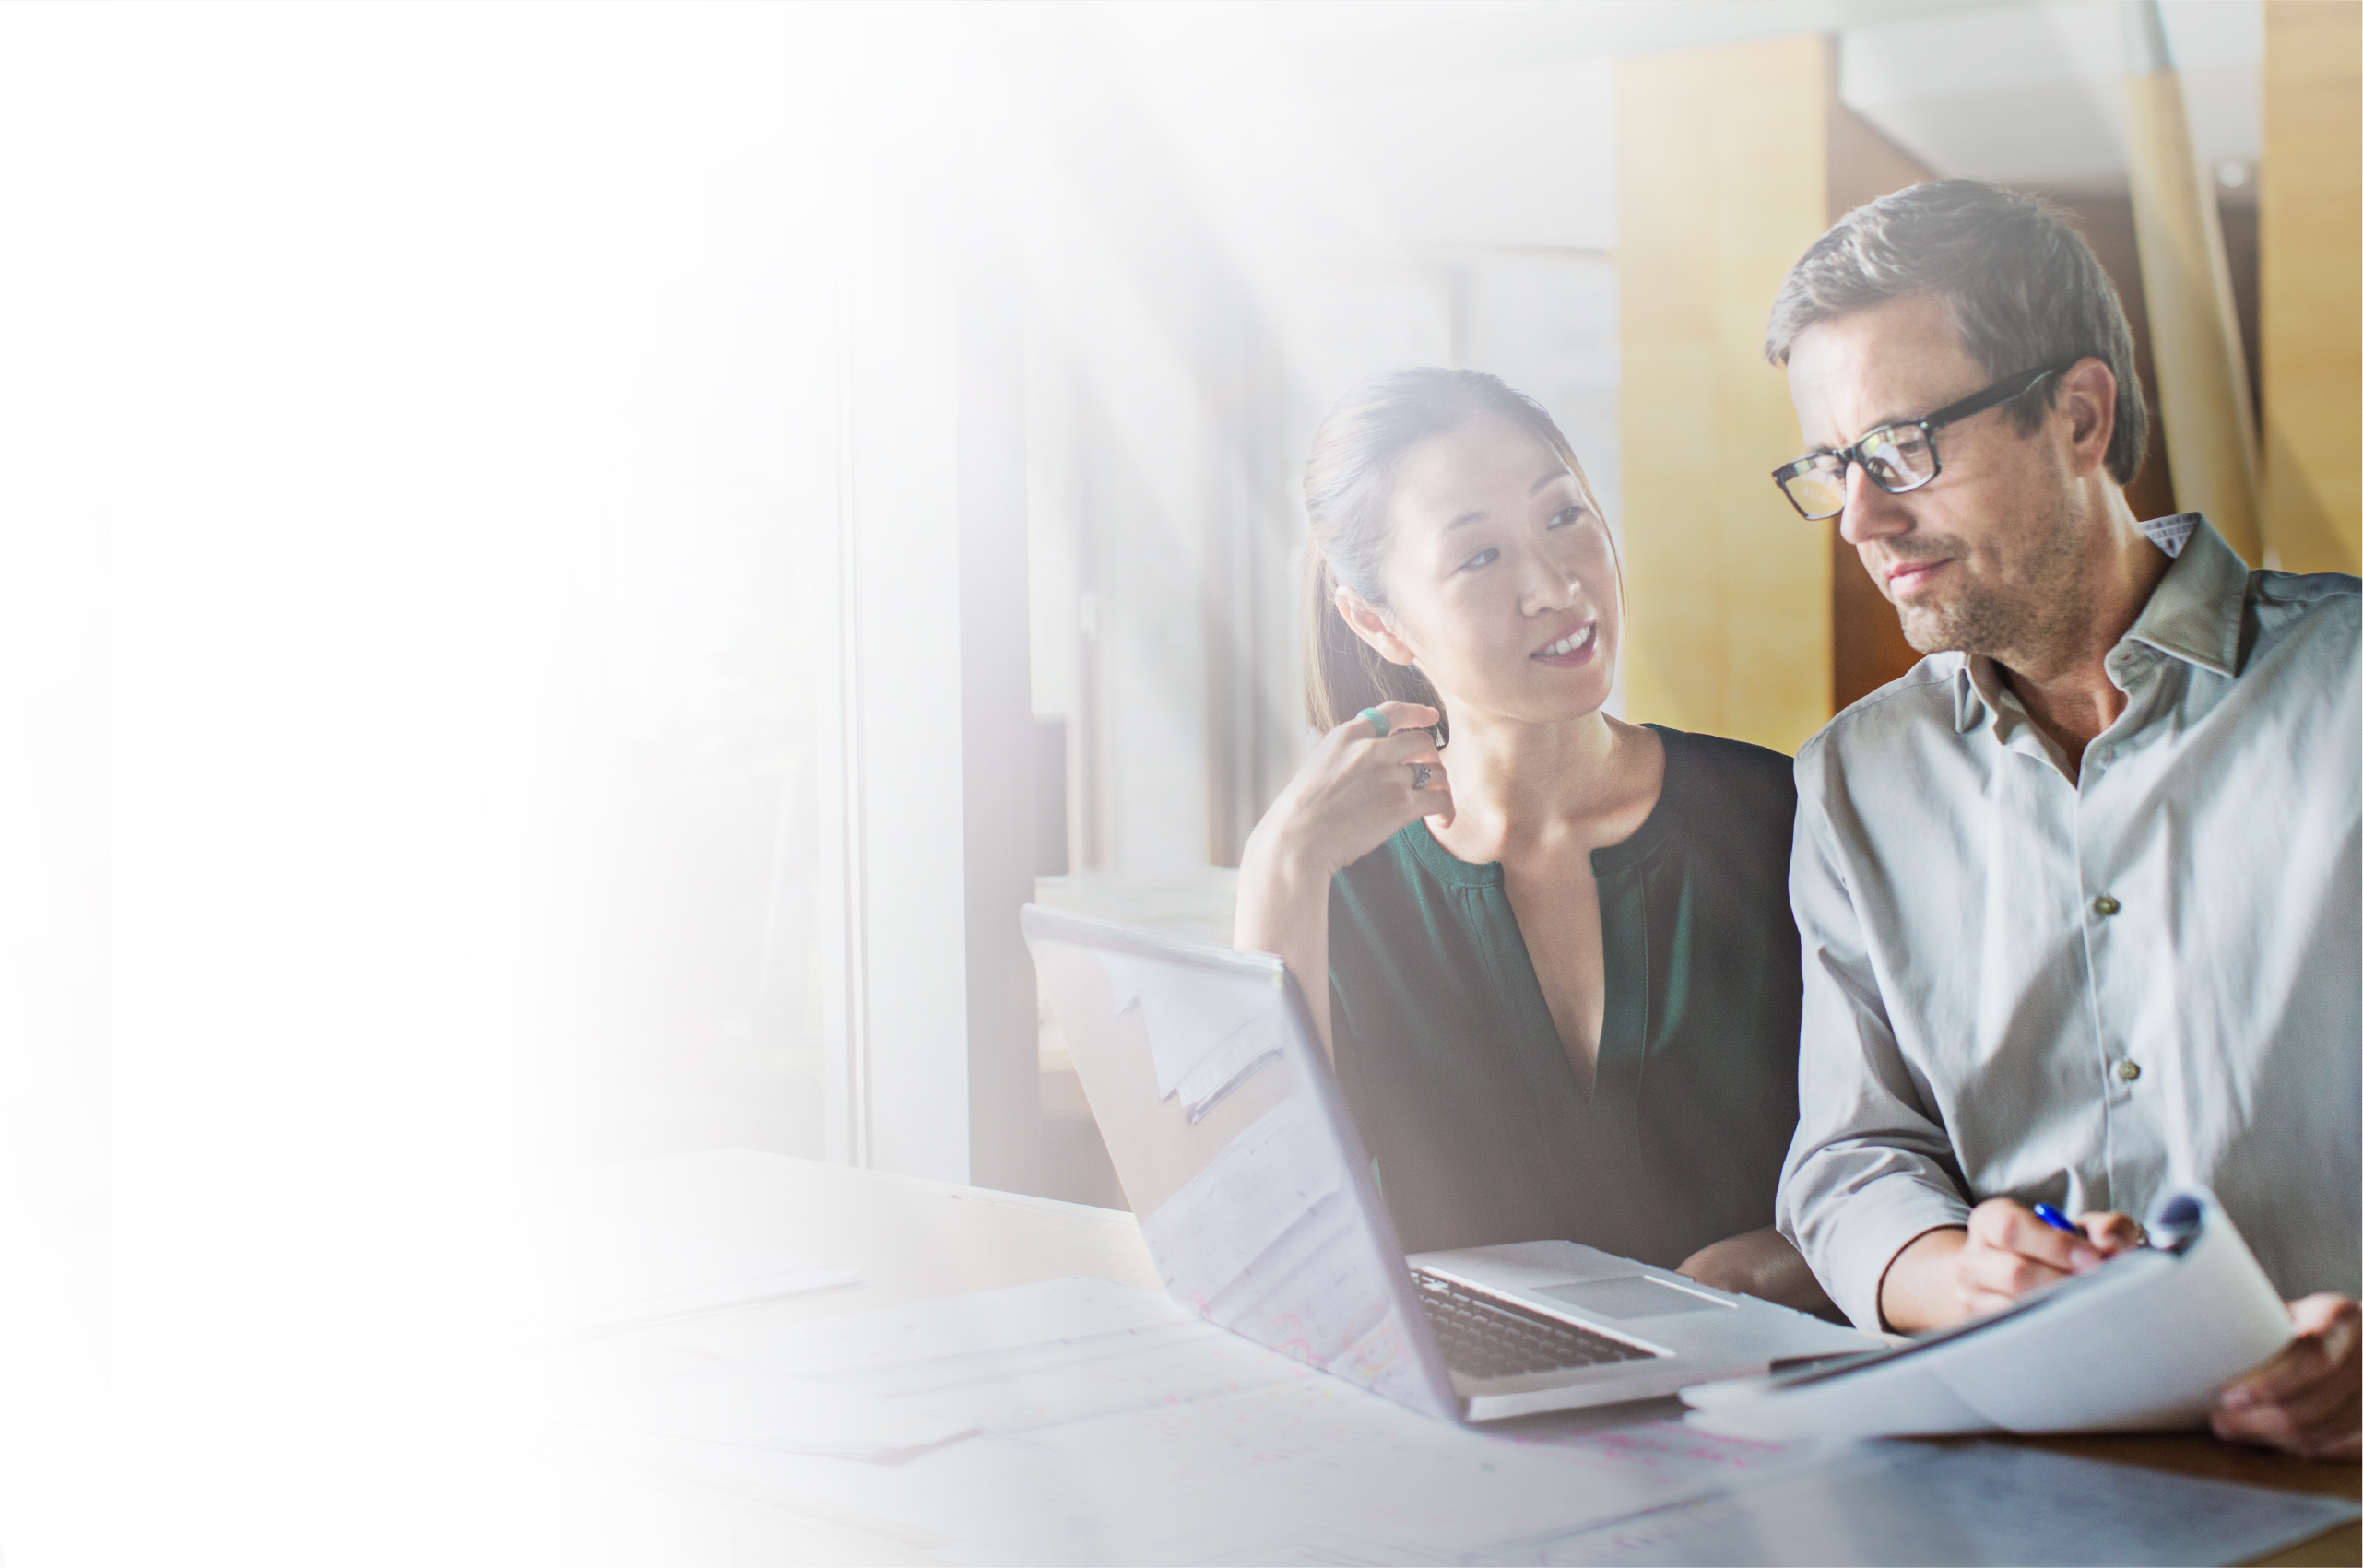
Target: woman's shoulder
point(1401, 908)
point(1736, 782)
point(1411, 862)
point(1408, 883)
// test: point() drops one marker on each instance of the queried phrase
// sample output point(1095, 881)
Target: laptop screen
point(1220, 1116)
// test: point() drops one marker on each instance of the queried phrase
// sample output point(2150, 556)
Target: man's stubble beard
point(2035, 605)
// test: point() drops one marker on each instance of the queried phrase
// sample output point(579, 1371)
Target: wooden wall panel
point(1746, 620)
point(1867, 646)
point(2311, 263)
point(1723, 181)
point(2203, 391)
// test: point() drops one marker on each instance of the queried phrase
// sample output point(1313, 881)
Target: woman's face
point(1500, 579)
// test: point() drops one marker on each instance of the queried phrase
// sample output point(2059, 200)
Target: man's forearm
point(1918, 1292)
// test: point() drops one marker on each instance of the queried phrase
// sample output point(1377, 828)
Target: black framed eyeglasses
point(1898, 457)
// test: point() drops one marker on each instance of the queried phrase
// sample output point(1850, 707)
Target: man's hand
point(2308, 1399)
point(1946, 1275)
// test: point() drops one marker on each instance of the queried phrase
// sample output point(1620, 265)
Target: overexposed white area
point(407, 747)
point(54, 850)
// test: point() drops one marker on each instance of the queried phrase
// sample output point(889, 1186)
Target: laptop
point(1262, 1212)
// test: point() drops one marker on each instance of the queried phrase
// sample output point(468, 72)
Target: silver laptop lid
point(1252, 1187)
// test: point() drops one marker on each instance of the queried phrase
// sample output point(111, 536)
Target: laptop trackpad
point(1636, 1295)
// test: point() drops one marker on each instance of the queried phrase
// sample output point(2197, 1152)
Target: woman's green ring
point(1377, 721)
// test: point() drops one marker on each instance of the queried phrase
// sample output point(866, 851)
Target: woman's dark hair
point(2023, 288)
point(1349, 485)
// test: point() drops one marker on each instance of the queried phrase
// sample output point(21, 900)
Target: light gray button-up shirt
point(2081, 991)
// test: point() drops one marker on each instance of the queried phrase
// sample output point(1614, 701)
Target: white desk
point(915, 1240)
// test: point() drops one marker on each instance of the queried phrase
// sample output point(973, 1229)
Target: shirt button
point(2129, 1070)
point(2104, 904)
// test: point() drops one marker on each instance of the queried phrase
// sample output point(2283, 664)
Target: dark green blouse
point(1448, 1058)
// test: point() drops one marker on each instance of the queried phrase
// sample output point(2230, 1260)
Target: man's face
point(1987, 557)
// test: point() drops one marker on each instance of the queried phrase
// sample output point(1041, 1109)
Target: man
point(2079, 896)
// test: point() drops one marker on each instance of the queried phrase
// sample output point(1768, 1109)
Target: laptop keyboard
point(1484, 1337)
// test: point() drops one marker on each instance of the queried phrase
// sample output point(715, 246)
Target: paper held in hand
point(2141, 1343)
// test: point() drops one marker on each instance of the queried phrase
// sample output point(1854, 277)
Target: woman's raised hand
point(1356, 791)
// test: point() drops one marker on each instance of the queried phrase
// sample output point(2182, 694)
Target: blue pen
point(2184, 1213)
point(2057, 1220)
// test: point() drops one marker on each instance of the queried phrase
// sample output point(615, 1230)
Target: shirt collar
point(2194, 613)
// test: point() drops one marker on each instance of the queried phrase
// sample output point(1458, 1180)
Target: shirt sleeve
point(1870, 1166)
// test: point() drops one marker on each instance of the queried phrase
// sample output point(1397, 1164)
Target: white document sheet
point(1016, 1360)
point(576, 1273)
point(1913, 1503)
point(1260, 1476)
point(1112, 1426)
point(1047, 1313)
point(714, 1399)
point(1204, 1035)
point(2141, 1343)
point(1265, 1241)
point(1271, 1179)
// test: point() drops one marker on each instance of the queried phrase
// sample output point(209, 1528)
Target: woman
point(1563, 977)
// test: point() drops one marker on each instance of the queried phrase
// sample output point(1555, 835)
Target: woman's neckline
point(1620, 855)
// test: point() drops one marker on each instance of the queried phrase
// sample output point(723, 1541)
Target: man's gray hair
point(2023, 289)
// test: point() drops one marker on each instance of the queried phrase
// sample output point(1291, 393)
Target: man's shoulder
point(1922, 701)
point(2312, 602)
point(2335, 591)
point(2306, 624)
